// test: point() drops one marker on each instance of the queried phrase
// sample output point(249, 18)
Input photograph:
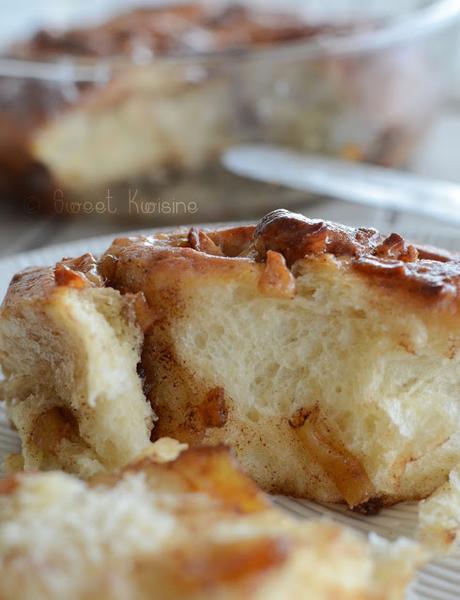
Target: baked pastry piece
point(168, 119)
point(69, 349)
point(162, 117)
point(326, 356)
point(439, 516)
point(192, 528)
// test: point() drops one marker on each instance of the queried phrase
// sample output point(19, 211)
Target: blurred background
point(118, 115)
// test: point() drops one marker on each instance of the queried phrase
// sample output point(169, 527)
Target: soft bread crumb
point(69, 350)
point(193, 528)
point(340, 388)
point(439, 516)
point(146, 127)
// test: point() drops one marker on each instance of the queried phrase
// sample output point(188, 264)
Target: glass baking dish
point(143, 137)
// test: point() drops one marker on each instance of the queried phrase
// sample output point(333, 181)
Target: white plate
point(438, 581)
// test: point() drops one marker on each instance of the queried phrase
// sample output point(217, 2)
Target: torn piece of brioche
point(69, 350)
point(326, 356)
point(193, 528)
point(439, 516)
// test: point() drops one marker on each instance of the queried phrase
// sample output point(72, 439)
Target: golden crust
point(172, 30)
point(38, 283)
point(427, 273)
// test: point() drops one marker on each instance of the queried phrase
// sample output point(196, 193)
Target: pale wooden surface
point(438, 157)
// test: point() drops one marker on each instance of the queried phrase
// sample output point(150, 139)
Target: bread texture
point(439, 516)
point(327, 357)
point(191, 528)
point(69, 349)
point(145, 115)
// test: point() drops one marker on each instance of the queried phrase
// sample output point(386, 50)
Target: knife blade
point(359, 183)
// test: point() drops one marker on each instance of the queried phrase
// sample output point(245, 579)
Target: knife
point(358, 183)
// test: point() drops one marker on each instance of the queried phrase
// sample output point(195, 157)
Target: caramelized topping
point(431, 279)
point(296, 236)
point(277, 281)
point(199, 240)
point(235, 242)
point(77, 272)
point(67, 277)
point(282, 239)
point(391, 260)
point(394, 247)
point(188, 28)
point(431, 253)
